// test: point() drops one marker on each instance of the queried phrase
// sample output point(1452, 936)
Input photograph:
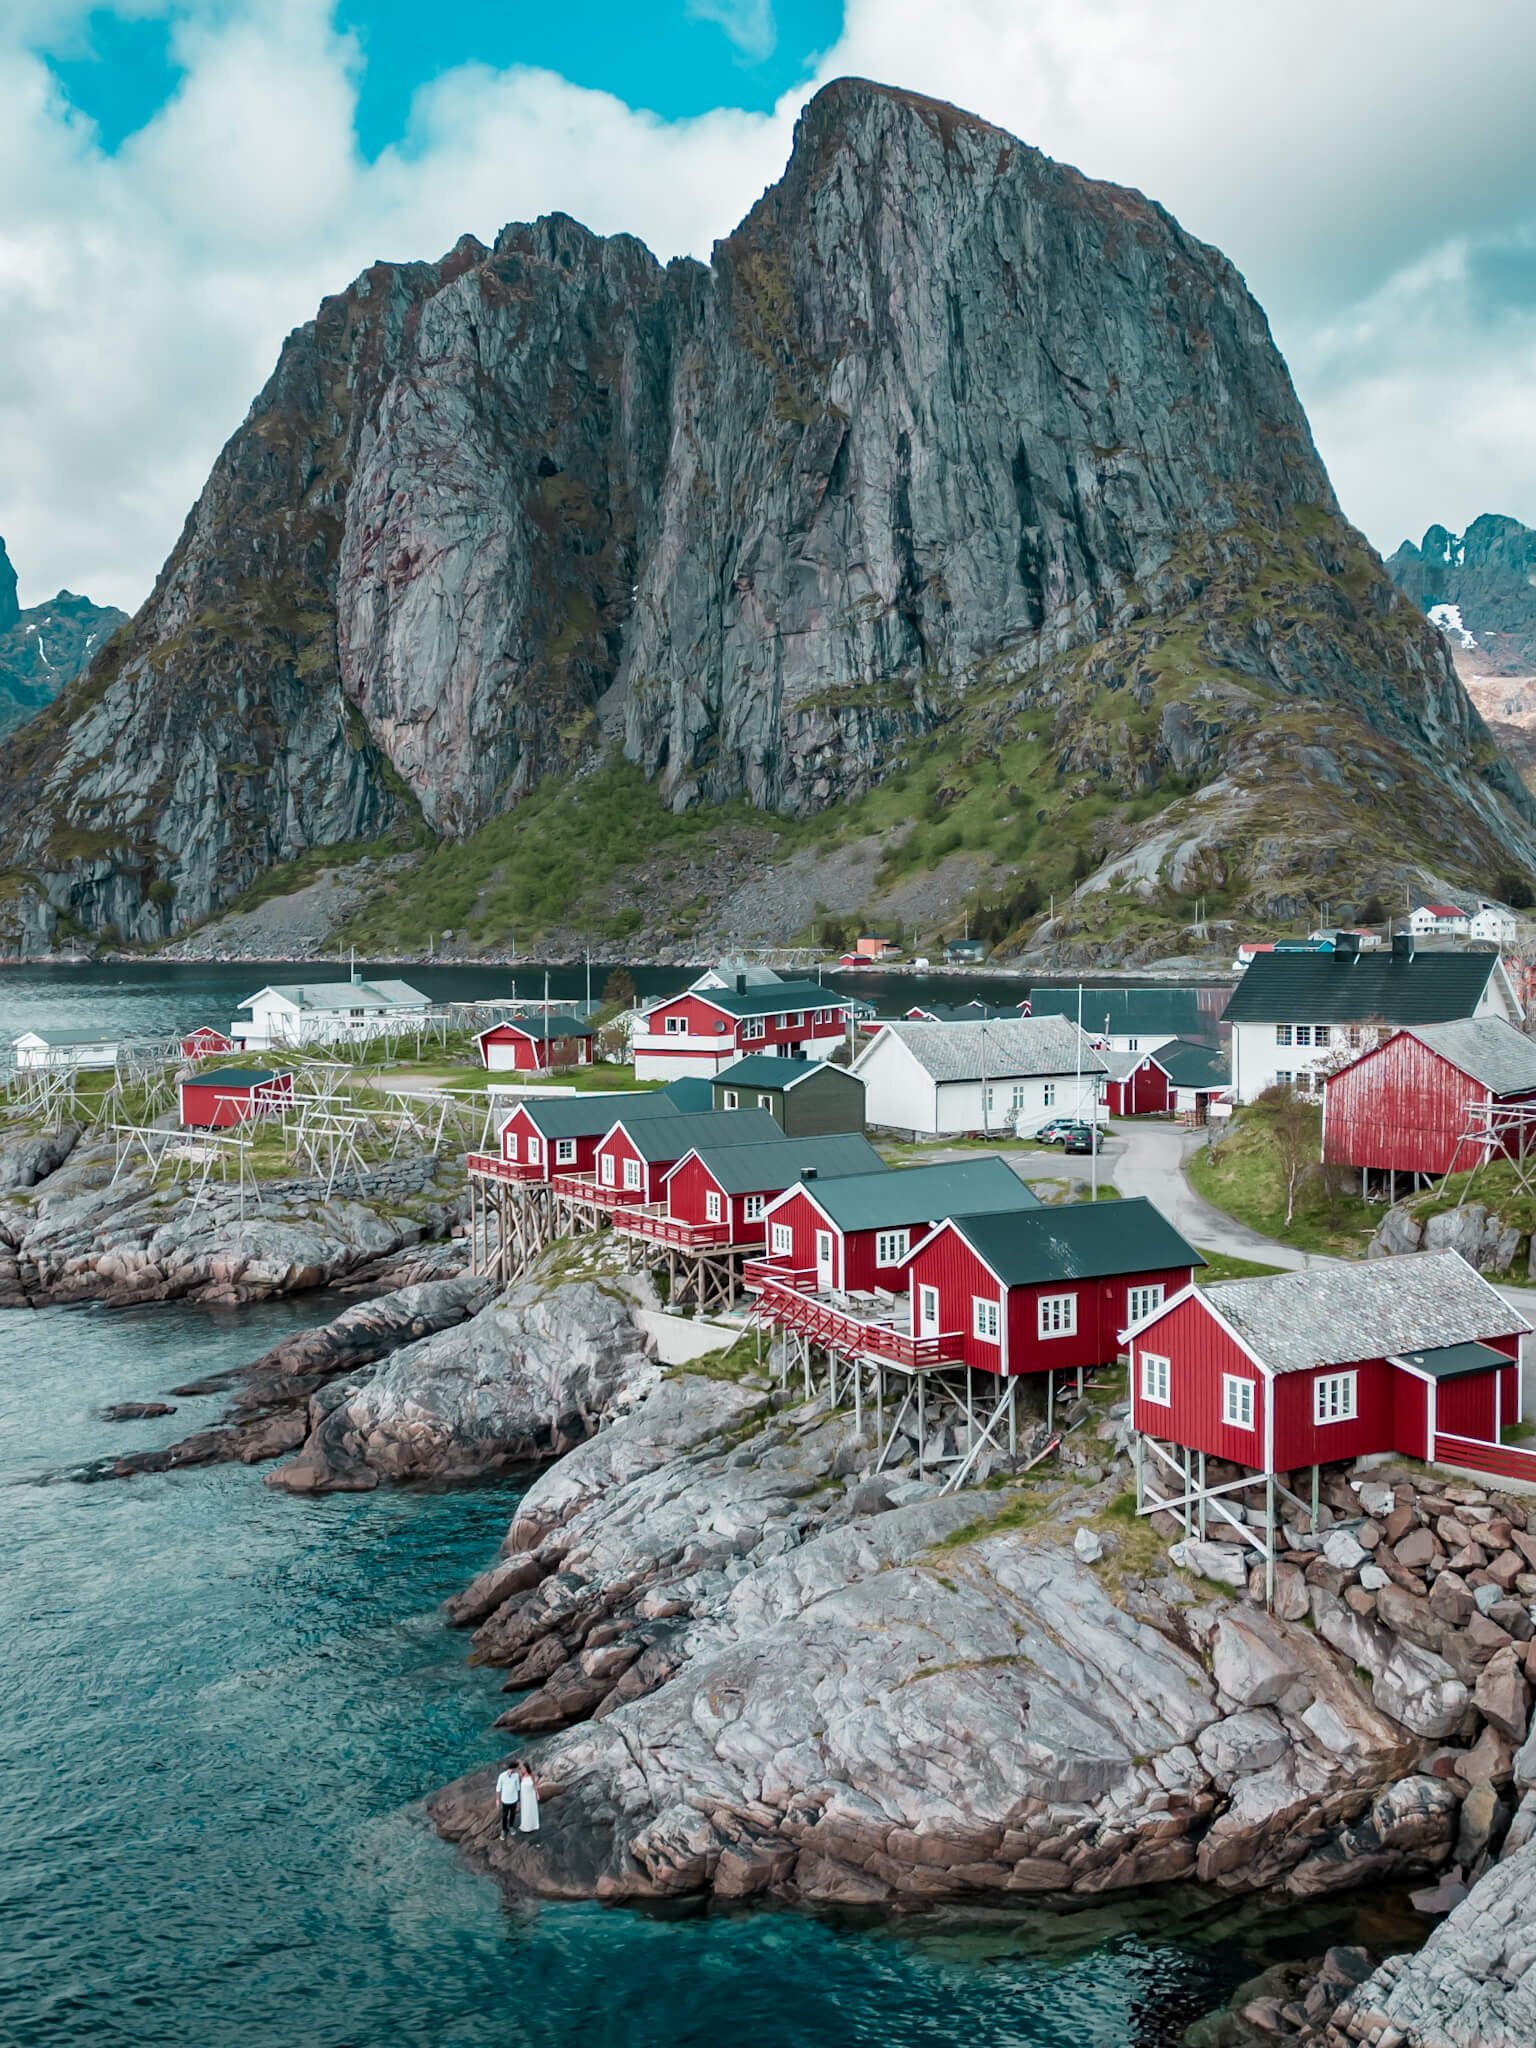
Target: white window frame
point(1048, 1095)
point(765, 1102)
point(1019, 1098)
point(753, 1027)
point(633, 1178)
point(606, 1173)
point(565, 1151)
point(1335, 1398)
point(1056, 1315)
point(714, 1208)
point(1283, 1034)
point(535, 1151)
point(892, 1246)
point(511, 1142)
point(752, 1208)
point(1303, 1034)
point(1322, 1035)
point(676, 1026)
point(1156, 1379)
point(1133, 1045)
point(1237, 1403)
point(986, 1319)
point(1283, 1077)
point(732, 1099)
point(783, 1241)
point(1140, 1301)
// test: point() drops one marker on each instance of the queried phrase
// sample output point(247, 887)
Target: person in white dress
point(527, 1802)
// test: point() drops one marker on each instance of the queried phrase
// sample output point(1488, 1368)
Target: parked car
point(1083, 1138)
point(1057, 1131)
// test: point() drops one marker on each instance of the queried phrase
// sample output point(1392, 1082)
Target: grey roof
point(779, 1162)
point(924, 1194)
point(555, 1024)
point(770, 1070)
point(957, 1013)
point(755, 976)
point(1006, 1050)
point(1378, 1308)
point(673, 1137)
point(343, 995)
point(1130, 1012)
point(1077, 1241)
point(1189, 1065)
point(1360, 988)
point(51, 1037)
point(1486, 1049)
point(1121, 1065)
point(1451, 1361)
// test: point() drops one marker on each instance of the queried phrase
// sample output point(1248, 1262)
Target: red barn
point(1417, 1355)
point(204, 1041)
point(1181, 1077)
point(533, 1045)
point(233, 1095)
point(856, 1233)
point(1046, 1288)
point(1135, 1085)
point(1407, 1104)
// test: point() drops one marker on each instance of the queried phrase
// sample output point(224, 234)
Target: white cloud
point(749, 24)
point(144, 295)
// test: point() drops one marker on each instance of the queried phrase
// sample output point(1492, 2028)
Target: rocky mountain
point(960, 502)
point(1479, 587)
point(45, 647)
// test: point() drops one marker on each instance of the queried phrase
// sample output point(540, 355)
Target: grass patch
point(1245, 1175)
point(1495, 1187)
point(1222, 1266)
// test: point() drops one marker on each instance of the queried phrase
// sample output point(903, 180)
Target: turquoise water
point(220, 1709)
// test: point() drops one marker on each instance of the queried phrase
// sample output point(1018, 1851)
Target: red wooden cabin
point(1049, 1287)
point(534, 1045)
point(205, 1042)
point(720, 1194)
point(1136, 1086)
point(855, 1234)
point(233, 1095)
point(632, 1161)
point(1417, 1355)
point(1408, 1104)
point(540, 1137)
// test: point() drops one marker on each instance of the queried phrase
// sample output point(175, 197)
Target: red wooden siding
point(199, 1044)
point(618, 1147)
point(729, 1036)
point(1468, 1406)
point(1410, 1416)
point(1399, 1106)
point(1143, 1092)
point(1102, 1313)
point(219, 1107)
point(804, 1221)
point(1301, 1441)
point(1200, 1353)
point(948, 1263)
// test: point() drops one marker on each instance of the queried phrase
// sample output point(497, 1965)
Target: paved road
point(1149, 1160)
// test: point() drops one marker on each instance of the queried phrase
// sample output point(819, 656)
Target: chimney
point(1347, 943)
point(807, 1173)
point(1402, 945)
point(741, 984)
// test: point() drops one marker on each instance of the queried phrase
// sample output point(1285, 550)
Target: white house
point(1438, 921)
point(995, 1075)
point(736, 974)
point(327, 1013)
point(81, 1049)
point(1493, 925)
point(1297, 1016)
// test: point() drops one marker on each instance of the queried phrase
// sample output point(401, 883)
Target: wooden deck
point(835, 1327)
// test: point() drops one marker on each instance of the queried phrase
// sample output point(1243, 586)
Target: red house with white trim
point(631, 1163)
point(1407, 1105)
point(705, 1029)
point(534, 1045)
point(719, 1194)
point(1417, 1355)
point(233, 1095)
point(204, 1042)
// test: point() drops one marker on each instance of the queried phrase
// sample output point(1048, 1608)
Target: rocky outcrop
point(524, 1379)
point(1474, 1229)
point(1480, 585)
point(45, 646)
point(760, 1671)
point(78, 1235)
point(948, 444)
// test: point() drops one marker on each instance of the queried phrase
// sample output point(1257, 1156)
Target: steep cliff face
point(948, 448)
point(1479, 585)
point(45, 646)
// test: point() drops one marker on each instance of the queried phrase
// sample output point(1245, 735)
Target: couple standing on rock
point(517, 1794)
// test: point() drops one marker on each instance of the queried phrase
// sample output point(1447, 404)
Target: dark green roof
point(1188, 1065)
point(780, 1162)
point(690, 1093)
point(235, 1077)
point(769, 1070)
point(923, 1194)
point(589, 1116)
point(1360, 988)
point(671, 1137)
point(1450, 1361)
point(768, 999)
point(1077, 1241)
point(1129, 1012)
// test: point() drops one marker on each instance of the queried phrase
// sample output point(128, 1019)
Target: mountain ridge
point(44, 647)
point(954, 470)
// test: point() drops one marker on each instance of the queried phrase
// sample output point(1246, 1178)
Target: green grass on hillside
point(1244, 1174)
point(1494, 1186)
point(1223, 1266)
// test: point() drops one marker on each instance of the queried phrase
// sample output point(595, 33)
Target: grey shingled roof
point(1360, 988)
point(1077, 1241)
point(780, 1162)
point(923, 1194)
point(1007, 1050)
point(554, 1025)
point(1487, 1050)
point(1378, 1308)
point(343, 995)
point(672, 1137)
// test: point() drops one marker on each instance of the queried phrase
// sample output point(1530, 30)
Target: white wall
point(898, 1091)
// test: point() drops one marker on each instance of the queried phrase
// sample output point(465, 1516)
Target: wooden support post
point(1013, 1417)
point(1137, 1463)
point(922, 1428)
point(1269, 1540)
point(1202, 1496)
point(1316, 1490)
point(1079, 1383)
point(1050, 1398)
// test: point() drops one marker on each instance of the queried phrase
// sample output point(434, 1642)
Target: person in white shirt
point(527, 1802)
point(508, 1790)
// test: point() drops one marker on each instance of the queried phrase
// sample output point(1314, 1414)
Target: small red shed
point(1332, 1364)
point(233, 1095)
point(1135, 1085)
point(204, 1042)
point(534, 1045)
point(1046, 1288)
point(1409, 1104)
point(720, 1194)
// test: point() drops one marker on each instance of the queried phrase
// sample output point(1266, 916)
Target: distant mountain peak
point(46, 646)
point(1479, 587)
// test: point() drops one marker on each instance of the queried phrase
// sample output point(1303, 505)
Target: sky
point(181, 181)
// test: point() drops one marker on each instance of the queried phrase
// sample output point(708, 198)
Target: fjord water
point(221, 1707)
